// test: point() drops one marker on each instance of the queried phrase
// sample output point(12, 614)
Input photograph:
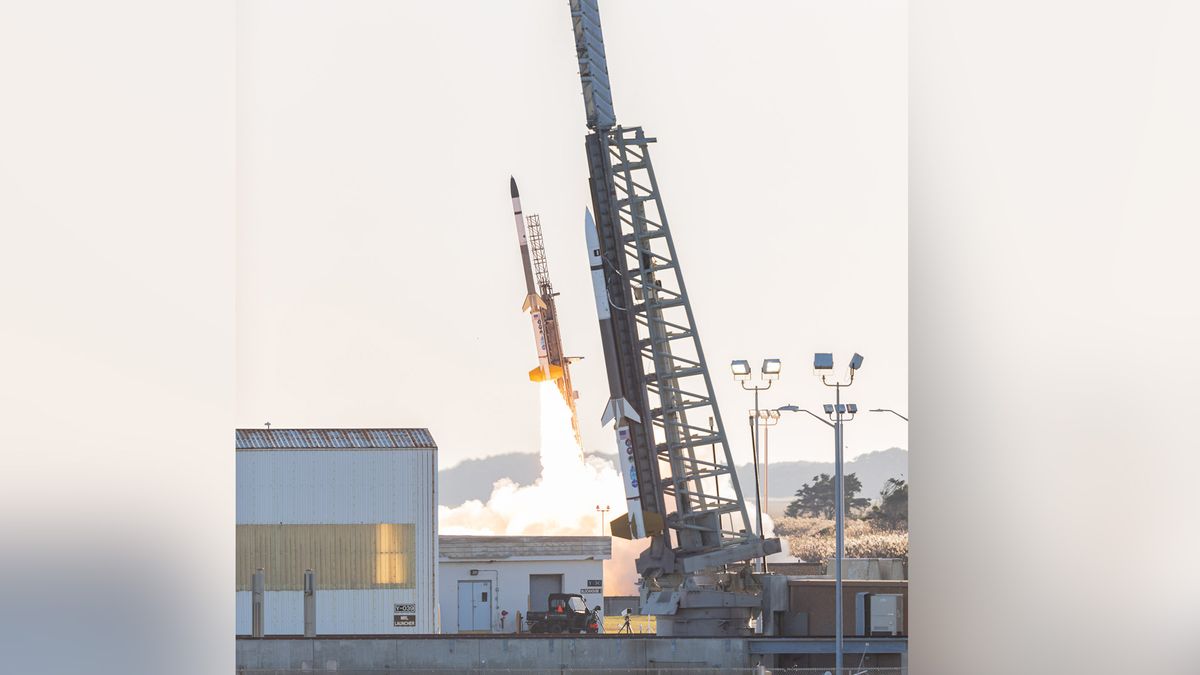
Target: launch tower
point(541, 271)
point(696, 571)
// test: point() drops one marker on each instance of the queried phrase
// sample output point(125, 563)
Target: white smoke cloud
point(784, 554)
point(562, 501)
point(785, 551)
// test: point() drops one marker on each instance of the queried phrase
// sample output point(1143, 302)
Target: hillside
point(473, 478)
point(872, 468)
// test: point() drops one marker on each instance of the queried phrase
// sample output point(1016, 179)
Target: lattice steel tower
point(541, 270)
point(696, 574)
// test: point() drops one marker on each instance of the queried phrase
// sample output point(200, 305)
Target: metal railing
point(663, 670)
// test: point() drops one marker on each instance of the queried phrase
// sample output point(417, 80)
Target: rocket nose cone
point(512, 186)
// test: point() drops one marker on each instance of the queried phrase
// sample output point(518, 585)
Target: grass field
point(638, 623)
point(812, 539)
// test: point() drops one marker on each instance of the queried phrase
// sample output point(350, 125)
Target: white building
point(359, 508)
point(484, 577)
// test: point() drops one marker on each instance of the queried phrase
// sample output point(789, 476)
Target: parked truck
point(566, 613)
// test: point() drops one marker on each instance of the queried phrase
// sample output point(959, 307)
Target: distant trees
point(816, 499)
point(892, 510)
point(873, 531)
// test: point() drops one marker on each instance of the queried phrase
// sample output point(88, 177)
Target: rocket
point(533, 302)
point(618, 410)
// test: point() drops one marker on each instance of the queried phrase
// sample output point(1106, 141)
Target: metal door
point(474, 606)
point(540, 588)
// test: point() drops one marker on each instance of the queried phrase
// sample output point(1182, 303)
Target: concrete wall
point(510, 586)
point(445, 653)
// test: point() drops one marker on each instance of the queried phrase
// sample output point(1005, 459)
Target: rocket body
point(533, 302)
point(618, 409)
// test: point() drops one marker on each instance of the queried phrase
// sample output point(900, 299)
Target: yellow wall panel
point(343, 556)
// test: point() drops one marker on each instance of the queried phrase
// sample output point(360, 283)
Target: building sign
point(405, 620)
point(405, 607)
point(589, 590)
point(595, 583)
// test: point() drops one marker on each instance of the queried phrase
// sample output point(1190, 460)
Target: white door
point(474, 606)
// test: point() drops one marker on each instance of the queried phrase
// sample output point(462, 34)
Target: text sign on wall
point(589, 590)
point(596, 583)
point(405, 607)
point(405, 620)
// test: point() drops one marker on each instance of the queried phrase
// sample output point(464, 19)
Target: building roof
point(462, 547)
point(333, 439)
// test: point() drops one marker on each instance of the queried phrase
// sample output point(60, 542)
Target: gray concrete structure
point(461, 653)
point(529, 654)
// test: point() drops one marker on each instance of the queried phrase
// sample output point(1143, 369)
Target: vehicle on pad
point(566, 613)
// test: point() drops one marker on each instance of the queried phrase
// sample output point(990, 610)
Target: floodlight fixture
point(771, 368)
point(841, 408)
point(822, 361)
point(828, 407)
point(856, 361)
point(789, 408)
point(852, 408)
point(741, 369)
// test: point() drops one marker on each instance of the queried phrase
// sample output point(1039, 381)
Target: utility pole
point(822, 366)
point(602, 510)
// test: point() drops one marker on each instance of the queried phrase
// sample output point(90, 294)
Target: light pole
point(770, 373)
point(767, 419)
point(823, 367)
point(602, 510)
point(889, 410)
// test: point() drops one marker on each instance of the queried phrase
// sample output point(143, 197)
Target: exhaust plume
point(562, 501)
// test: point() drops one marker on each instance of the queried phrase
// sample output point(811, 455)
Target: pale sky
point(379, 279)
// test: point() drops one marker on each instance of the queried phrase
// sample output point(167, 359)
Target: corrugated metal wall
point(350, 557)
point(338, 612)
point(344, 487)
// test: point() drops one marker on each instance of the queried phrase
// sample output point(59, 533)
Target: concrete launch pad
point(283, 655)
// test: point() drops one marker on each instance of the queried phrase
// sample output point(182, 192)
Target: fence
point(589, 671)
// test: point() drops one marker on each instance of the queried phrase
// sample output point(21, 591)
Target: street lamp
point(770, 370)
point(767, 419)
point(602, 510)
point(891, 411)
point(838, 413)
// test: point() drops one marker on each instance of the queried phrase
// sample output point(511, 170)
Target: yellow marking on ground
point(638, 623)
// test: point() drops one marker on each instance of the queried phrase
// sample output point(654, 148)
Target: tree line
point(816, 500)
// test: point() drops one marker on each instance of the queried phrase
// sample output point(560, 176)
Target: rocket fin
point(619, 527)
point(622, 526)
point(618, 409)
point(532, 302)
point(654, 522)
